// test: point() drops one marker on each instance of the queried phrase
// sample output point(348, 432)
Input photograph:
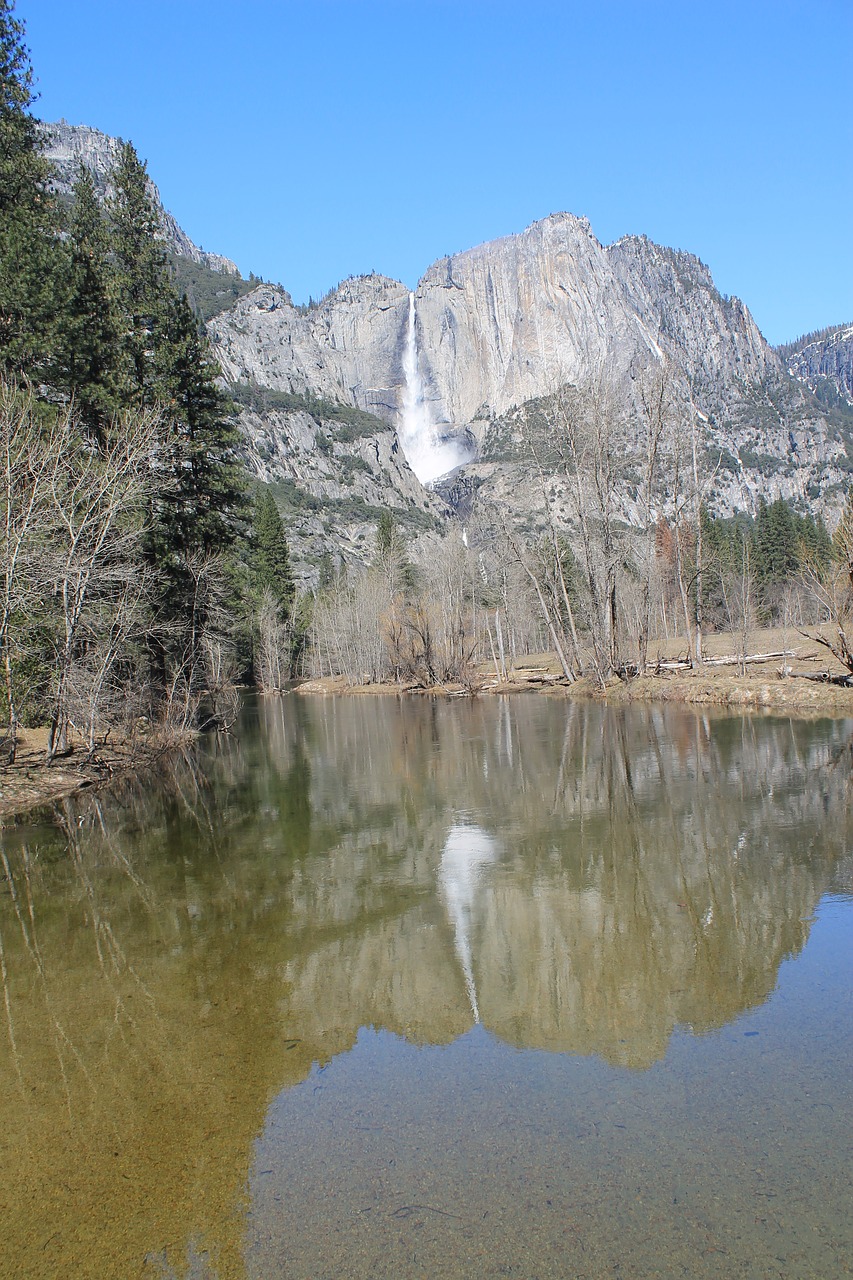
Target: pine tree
point(776, 543)
point(204, 496)
point(166, 362)
point(31, 254)
point(271, 569)
point(327, 571)
point(87, 364)
point(391, 557)
point(139, 263)
point(842, 538)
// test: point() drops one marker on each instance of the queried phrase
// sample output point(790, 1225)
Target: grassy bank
point(799, 681)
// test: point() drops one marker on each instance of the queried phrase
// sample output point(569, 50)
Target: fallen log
point(734, 659)
point(731, 660)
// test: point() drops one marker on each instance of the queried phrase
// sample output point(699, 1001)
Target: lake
point(419, 988)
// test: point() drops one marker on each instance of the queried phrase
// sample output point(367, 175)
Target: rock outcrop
point(68, 146)
point(824, 363)
point(495, 328)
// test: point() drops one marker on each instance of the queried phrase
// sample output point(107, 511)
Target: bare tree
point(272, 657)
point(112, 638)
point(832, 587)
point(589, 435)
point(655, 399)
point(30, 452)
point(201, 664)
point(744, 602)
point(689, 485)
point(97, 499)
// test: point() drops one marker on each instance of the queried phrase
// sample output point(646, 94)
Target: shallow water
point(408, 988)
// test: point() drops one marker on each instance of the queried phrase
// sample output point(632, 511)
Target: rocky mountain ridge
point(508, 322)
point(824, 363)
point(68, 146)
point(486, 333)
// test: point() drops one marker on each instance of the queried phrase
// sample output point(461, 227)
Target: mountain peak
point(68, 146)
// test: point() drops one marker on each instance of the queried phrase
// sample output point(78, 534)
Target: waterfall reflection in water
point(467, 851)
point(609, 886)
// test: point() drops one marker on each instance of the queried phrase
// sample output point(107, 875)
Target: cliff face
point(346, 349)
point(68, 146)
point(675, 300)
point(824, 364)
point(511, 321)
point(497, 327)
point(504, 323)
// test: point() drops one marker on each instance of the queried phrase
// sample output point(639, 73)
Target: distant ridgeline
point(824, 362)
point(496, 331)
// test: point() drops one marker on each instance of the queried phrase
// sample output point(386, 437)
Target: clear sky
point(314, 139)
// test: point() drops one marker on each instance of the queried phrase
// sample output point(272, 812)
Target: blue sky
point(314, 139)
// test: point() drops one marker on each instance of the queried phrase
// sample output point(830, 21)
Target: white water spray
point(467, 852)
point(428, 453)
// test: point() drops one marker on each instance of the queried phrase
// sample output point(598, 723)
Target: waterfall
point(429, 453)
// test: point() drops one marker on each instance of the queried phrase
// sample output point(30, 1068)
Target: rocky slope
point(490, 334)
point(509, 322)
point(68, 146)
point(334, 470)
point(824, 363)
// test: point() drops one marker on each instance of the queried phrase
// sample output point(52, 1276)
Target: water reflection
point(467, 851)
point(175, 955)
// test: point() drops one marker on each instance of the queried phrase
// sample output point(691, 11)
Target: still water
point(421, 989)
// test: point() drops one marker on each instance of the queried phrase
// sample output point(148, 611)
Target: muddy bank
point(30, 782)
point(767, 690)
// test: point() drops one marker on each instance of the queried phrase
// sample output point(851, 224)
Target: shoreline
point(789, 694)
point(31, 783)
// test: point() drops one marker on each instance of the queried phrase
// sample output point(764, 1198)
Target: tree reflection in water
point(176, 953)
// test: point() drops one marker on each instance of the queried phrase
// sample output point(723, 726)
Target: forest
point(134, 556)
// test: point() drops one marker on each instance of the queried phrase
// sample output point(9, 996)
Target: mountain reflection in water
point(175, 954)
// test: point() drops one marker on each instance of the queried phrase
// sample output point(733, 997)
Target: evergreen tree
point(166, 361)
point(31, 254)
point(139, 263)
point(271, 569)
point(842, 539)
point(204, 496)
point(327, 571)
point(385, 535)
point(815, 544)
point(776, 546)
point(87, 365)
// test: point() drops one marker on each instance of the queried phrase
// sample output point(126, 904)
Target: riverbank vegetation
point(144, 576)
point(611, 599)
point(134, 565)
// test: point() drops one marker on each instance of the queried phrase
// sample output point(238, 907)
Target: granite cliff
point(68, 146)
point(511, 321)
point(824, 363)
point(342, 399)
